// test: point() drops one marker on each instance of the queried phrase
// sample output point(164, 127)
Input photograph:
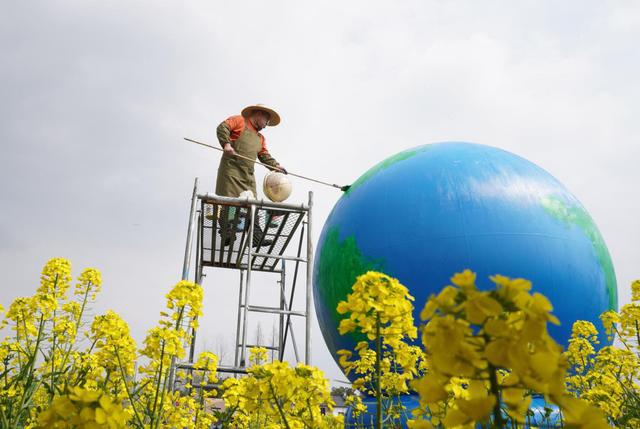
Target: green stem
point(81, 372)
point(53, 353)
point(29, 375)
point(622, 340)
point(495, 391)
point(163, 393)
point(27, 342)
point(78, 321)
point(167, 376)
point(637, 335)
point(310, 412)
point(378, 373)
point(126, 387)
point(53, 343)
point(200, 398)
point(284, 419)
point(155, 399)
point(106, 380)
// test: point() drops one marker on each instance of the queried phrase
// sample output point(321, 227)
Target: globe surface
point(276, 186)
point(434, 210)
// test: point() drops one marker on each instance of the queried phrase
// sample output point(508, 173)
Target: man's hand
point(228, 149)
point(281, 169)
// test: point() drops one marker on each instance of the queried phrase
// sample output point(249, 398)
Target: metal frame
point(218, 219)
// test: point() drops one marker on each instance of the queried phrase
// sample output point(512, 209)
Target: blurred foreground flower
point(497, 341)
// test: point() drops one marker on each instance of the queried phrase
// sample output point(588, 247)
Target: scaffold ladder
point(249, 236)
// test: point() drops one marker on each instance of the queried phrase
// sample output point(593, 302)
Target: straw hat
point(274, 118)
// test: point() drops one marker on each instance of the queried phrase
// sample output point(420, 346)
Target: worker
point(240, 135)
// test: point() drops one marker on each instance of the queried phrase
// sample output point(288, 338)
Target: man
point(240, 135)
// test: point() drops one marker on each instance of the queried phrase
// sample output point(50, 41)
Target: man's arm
point(224, 134)
point(265, 157)
point(224, 137)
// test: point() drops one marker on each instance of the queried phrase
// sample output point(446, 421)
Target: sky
point(96, 97)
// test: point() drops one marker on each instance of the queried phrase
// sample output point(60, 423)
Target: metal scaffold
point(250, 236)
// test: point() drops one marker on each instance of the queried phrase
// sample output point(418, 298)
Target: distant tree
point(342, 391)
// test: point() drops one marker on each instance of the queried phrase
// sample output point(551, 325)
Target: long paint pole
point(333, 185)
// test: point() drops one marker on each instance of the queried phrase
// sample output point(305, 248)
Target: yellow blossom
point(89, 283)
point(497, 337)
point(275, 392)
point(83, 408)
point(257, 355)
point(466, 280)
point(378, 298)
point(55, 278)
point(635, 290)
point(606, 378)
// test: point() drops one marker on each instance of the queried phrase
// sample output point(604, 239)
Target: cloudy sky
point(95, 98)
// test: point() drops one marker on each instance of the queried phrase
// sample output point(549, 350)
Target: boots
point(231, 224)
point(257, 236)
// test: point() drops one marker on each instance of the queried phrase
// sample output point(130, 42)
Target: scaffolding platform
point(223, 232)
point(251, 235)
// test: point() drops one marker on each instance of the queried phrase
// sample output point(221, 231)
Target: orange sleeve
point(236, 126)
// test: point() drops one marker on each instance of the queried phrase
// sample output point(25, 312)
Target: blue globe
point(434, 210)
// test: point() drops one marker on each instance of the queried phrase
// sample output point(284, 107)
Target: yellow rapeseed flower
point(83, 408)
point(635, 290)
point(55, 278)
point(277, 395)
point(607, 378)
point(497, 340)
point(378, 298)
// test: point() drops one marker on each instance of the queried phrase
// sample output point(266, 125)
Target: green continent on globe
point(386, 164)
point(339, 264)
point(576, 215)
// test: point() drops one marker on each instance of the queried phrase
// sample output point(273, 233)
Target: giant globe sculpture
point(434, 210)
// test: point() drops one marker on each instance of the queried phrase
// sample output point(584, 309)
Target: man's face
point(260, 119)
